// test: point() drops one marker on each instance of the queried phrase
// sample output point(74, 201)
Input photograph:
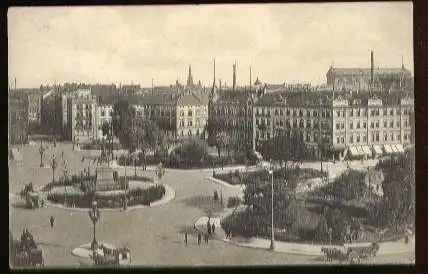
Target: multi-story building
point(34, 98)
point(82, 118)
point(358, 125)
point(232, 116)
point(380, 79)
point(18, 122)
point(54, 117)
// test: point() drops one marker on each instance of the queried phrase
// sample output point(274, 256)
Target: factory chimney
point(372, 69)
point(234, 76)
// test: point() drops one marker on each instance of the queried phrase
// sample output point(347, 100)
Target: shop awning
point(394, 149)
point(360, 151)
point(367, 150)
point(377, 150)
point(388, 149)
point(354, 151)
point(399, 148)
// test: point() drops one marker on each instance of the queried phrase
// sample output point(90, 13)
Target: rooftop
point(367, 71)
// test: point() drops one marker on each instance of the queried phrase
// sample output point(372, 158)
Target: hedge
point(135, 197)
point(233, 201)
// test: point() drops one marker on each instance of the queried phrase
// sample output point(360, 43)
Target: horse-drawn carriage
point(24, 253)
point(32, 198)
point(353, 253)
point(112, 256)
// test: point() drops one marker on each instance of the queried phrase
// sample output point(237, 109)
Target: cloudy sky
point(133, 44)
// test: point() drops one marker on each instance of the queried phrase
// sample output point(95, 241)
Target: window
point(364, 124)
point(392, 137)
point(315, 113)
point(391, 123)
point(385, 112)
point(398, 111)
point(308, 137)
point(257, 135)
point(397, 123)
point(281, 123)
point(358, 138)
point(391, 112)
point(294, 123)
point(351, 112)
point(351, 125)
point(281, 112)
point(300, 113)
point(406, 123)
point(372, 124)
point(268, 135)
point(377, 124)
point(358, 124)
point(342, 140)
point(287, 112)
point(342, 125)
point(308, 123)
point(268, 122)
point(323, 113)
point(327, 113)
point(338, 113)
point(364, 138)
point(294, 112)
point(377, 112)
point(257, 122)
point(338, 126)
point(351, 139)
point(277, 122)
point(181, 113)
point(358, 112)
point(405, 111)
point(398, 137)
point(189, 123)
point(103, 113)
point(338, 140)
point(385, 137)
point(377, 136)
point(276, 112)
point(365, 112)
point(405, 136)
point(385, 124)
point(372, 112)
point(301, 124)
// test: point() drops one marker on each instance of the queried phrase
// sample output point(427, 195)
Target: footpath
point(385, 248)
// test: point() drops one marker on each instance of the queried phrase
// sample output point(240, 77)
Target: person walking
point(206, 238)
point(52, 220)
point(209, 228)
point(185, 238)
point(199, 238)
point(213, 229)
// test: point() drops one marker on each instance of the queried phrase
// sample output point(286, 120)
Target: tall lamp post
point(94, 215)
point(125, 202)
point(65, 170)
point(272, 239)
point(42, 150)
point(53, 166)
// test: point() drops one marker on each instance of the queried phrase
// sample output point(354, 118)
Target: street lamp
point(272, 239)
point(65, 182)
point(53, 166)
point(94, 215)
point(125, 202)
point(42, 150)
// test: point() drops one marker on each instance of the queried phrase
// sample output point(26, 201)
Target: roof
point(232, 96)
point(294, 98)
point(191, 99)
point(367, 71)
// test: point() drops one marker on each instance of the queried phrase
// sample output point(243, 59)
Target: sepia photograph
point(211, 135)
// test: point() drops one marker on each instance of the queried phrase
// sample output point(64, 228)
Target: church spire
point(190, 78)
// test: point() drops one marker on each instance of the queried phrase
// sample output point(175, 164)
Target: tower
point(190, 78)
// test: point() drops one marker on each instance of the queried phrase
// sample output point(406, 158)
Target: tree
point(148, 136)
point(399, 189)
point(322, 230)
point(106, 129)
point(123, 117)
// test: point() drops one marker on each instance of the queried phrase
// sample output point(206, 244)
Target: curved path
point(155, 236)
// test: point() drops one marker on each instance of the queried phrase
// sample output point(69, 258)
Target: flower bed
point(236, 178)
point(137, 196)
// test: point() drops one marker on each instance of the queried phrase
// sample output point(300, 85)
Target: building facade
point(338, 125)
point(18, 122)
point(82, 116)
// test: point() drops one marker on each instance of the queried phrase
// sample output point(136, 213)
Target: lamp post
point(160, 171)
point(125, 202)
point(272, 239)
point(42, 150)
point(53, 166)
point(65, 170)
point(94, 215)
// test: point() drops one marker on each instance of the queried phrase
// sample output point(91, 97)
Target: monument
point(106, 179)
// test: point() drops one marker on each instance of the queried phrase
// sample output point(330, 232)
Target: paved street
point(154, 235)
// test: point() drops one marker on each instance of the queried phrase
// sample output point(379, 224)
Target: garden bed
point(137, 196)
point(237, 177)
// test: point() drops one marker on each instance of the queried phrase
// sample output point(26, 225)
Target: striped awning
point(367, 150)
point(399, 148)
point(388, 149)
point(377, 150)
point(354, 151)
point(394, 149)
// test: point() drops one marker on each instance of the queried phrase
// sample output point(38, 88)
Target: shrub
point(233, 201)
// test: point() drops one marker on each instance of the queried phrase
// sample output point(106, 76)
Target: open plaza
point(155, 235)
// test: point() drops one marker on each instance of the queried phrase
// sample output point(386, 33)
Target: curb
point(294, 251)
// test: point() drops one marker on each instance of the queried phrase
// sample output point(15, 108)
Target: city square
point(176, 145)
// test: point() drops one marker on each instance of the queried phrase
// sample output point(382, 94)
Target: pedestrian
point(209, 228)
point(185, 238)
point(206, 238)
point(213, 229)
point(43, 203)
point(199, 238)
point(52, 220)
point(62, 153)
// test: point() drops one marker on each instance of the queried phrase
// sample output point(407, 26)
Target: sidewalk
point(385, 248)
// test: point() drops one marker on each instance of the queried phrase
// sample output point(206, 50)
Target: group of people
point(209, 234)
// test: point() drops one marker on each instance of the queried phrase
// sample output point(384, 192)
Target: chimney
point(372, 69)
point(234, 76)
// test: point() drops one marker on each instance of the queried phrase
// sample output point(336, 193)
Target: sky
point(292, 43)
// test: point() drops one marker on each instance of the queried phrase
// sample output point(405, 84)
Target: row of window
point(232, 111)
point(294, 112)
point(190, 113)
point(189, 123)
point(294, 123)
